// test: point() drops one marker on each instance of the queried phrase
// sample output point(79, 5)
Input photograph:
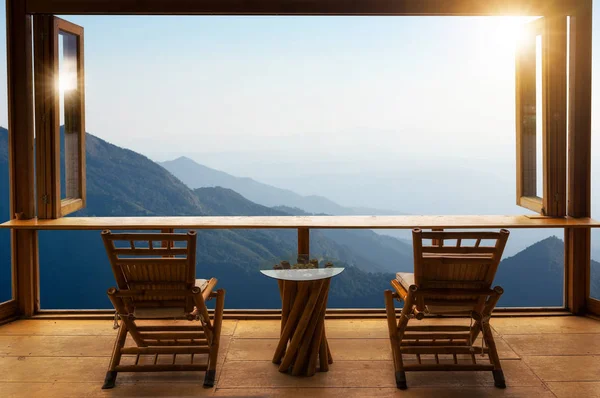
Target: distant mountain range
point(124, 183)
point(121, 182)
point(195, 175)
point(534, 277)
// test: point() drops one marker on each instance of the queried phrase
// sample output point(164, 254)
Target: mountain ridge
point(196, 175)
point(121, 182)
point(541, 264)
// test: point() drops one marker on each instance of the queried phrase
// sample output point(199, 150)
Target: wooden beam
point(303, 7)
point(332, 313)
point(532, 203)
point(577, 243)
point(304, 243)
point(299, 222)
point(554, 109)
point(21, 153)
point(27, 272)
point(577, 265)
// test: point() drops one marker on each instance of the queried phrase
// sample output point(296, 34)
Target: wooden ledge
point(294, 222)
point(331, 313)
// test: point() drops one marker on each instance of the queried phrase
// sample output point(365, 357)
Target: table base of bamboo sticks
point(303, 344)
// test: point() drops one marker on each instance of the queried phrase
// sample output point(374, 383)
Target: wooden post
point(577, 241)
point(21, 154)
point(303, 243)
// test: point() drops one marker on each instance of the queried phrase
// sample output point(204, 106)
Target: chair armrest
point(208, 288)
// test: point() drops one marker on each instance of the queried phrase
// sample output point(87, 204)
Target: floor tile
point(575, 389)
point(565, 368)
point(555, 344)
point(249, 374)
point(39, 327)
point(254, 374)
point(44, 327)
point(53, 369)
point(267, 329)
point(65, 346)
point(88, 390)
point(341, 349)
point(549, 324)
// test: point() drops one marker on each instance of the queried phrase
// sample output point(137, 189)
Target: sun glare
point(67, 81)
point(510, 30)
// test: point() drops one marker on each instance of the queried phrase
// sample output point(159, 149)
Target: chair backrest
point(457, 260)
point(165, 262)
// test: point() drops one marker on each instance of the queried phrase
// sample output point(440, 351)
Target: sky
point(222, 83)
point(308, 103)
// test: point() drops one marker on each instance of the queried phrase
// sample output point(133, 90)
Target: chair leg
point(111, 374)
point(499, 381)
point(109, 380)
point(395, 341)
point(209, 378)
point(401, 380)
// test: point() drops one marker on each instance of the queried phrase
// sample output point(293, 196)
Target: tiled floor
point(542, 357)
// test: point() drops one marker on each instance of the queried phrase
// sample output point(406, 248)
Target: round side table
point(302, 343)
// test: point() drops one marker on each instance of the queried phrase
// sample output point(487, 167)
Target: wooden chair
point(155, 274)
point(449, 279)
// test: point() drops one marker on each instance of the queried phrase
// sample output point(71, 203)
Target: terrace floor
point(554, 356)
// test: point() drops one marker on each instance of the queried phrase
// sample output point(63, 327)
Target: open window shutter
point(60, 116)
point(526, 109)
point(552, 32)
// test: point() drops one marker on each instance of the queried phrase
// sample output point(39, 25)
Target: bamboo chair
point(156, 281)
point(448, 280)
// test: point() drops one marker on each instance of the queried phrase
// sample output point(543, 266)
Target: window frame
point(553, 202)
point(50, 205)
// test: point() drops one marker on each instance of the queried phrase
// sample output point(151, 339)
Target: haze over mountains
point(541, 263)
point(122, 182)
point(195, 175)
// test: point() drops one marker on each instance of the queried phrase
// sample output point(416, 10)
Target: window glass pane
point(595, 235)
point(61, 99)
point(73, 261)
point(69, 115)
point(532, 275)
point(539, 119)
point(595, 266)
point(5, 256)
